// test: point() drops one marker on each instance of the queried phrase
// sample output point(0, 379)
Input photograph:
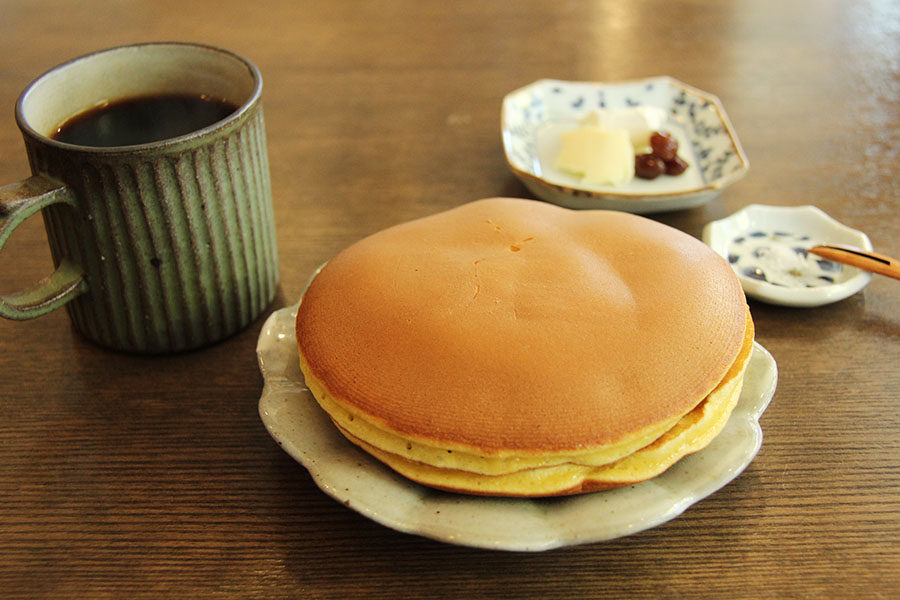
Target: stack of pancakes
point(516, 348)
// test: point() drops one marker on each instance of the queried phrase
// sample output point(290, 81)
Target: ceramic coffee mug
point(162, 246)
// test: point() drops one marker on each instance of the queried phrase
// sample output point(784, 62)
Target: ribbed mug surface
point(177, 245)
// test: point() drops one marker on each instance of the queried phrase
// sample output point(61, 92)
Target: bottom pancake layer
point(693, 431)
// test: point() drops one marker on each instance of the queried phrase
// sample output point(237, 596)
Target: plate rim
point(550, 539)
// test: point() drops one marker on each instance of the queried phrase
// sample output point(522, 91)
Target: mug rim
point(159, 145)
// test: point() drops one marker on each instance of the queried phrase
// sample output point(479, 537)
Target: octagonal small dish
point(534, 117)
point(767, 248)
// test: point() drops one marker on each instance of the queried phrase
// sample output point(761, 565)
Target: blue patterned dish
point(767, 248)
point(534, 116)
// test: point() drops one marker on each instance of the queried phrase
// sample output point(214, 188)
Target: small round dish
point(766, 246)
point(534, 117)
point(355, 479)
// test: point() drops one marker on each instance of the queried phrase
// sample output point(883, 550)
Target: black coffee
point(142, 120)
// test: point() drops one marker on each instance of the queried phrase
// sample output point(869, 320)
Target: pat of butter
point(599, 156)
point(640, 121)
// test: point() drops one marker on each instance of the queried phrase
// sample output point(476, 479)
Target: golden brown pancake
point(513, 347)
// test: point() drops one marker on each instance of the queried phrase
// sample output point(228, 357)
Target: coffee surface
point(143, 120)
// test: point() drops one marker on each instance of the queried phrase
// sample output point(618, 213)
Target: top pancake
point(510, 326)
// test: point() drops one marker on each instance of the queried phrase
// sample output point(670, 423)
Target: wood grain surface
point(129, 477)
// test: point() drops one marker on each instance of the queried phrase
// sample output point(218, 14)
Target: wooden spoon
point(861, 259)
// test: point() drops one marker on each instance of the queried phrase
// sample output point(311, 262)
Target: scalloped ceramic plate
point(802, 227)
point(303, 430)
point(534, 116)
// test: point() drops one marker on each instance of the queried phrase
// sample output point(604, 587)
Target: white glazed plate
point(798, 221)
point(350, 476)
point(534, 116)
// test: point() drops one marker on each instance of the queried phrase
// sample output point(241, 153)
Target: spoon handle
point(862, 259)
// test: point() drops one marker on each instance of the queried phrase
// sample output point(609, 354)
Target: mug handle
point(18, 201)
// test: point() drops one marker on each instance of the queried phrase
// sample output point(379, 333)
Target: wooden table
point(128, 477)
